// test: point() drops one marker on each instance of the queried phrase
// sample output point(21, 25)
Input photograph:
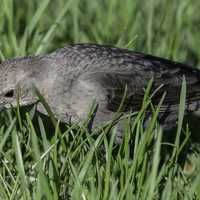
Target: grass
point(40, 163)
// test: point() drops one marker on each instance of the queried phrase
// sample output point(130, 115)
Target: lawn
point(40, 158)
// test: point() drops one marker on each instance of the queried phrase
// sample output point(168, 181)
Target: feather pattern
point(114, 69)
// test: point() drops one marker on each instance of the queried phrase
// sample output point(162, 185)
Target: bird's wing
point(170, 75)
point(169, 82)
point(113, 69)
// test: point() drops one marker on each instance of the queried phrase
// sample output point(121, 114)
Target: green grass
point(38, 163)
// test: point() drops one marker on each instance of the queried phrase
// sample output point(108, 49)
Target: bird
point(72, 77)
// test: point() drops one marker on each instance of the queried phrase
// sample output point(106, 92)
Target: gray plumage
point(70, 78)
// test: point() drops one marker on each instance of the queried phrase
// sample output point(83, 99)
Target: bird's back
point(114, 68)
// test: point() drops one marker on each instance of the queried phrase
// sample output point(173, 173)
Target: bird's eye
point(9, 94)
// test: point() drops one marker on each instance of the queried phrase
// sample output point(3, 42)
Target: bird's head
point(18, 78)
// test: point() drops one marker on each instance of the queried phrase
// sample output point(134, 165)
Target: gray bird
point(72, 77)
